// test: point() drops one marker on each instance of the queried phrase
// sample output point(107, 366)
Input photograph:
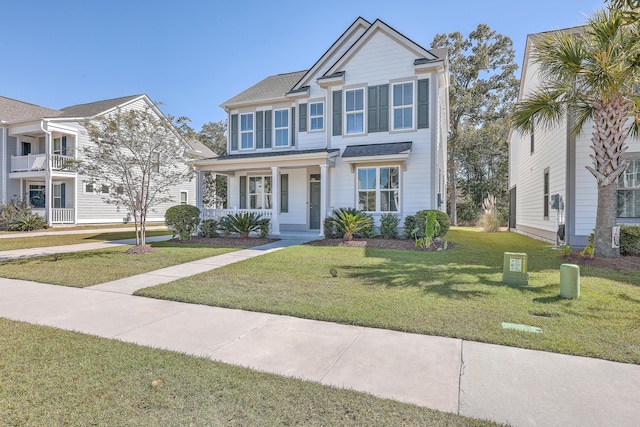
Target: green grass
point(80, 269)
point(53, 378)
point(70, 239)
point(456, 293)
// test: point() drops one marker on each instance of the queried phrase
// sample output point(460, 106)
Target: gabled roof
point(12, 110)
point(323, 61)
point(379, 25)
point(199, 149)
point(273, 88)
point(94, 108)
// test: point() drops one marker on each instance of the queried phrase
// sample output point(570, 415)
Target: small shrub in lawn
point(629, 239)
point(409, 224)
point(182, 220)
point(209, 228)
point(430, 232)
point(330, 229)
point(27, 222)
point(420, 220)
point(263, 232)
point(243, 223)
point(389, 225)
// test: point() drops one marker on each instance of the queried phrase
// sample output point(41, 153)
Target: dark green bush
point(389, 225)
point(244, 223)
point(468, 212)
point(264, 228)
point(420, 219)
point(209, 228)
point(182, 220)
point(629, 239)
point(330, 229)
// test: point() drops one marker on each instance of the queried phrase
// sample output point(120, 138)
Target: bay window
point(379, 189)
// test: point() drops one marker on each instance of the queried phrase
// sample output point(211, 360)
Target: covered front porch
point(290, 188)
point(54, 199)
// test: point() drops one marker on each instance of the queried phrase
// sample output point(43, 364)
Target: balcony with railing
point(40, 162)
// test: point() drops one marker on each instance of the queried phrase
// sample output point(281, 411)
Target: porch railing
point(62, 216)
point(39, 162)
point(217, 214)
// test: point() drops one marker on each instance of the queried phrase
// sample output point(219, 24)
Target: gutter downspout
point(48, 189)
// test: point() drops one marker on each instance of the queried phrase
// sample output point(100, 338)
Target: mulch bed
point(226, 241)
point(622, 263)
point(378, 242)
point(141, 250)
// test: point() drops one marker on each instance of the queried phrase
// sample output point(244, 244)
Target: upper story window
point(354, 111)
point(246, 131)
point(403, 106)
point(629, 191)
point(60, 146)
point(281, 127)
point(316, 116)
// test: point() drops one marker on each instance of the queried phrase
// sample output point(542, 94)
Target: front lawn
point(70, 239)
point(81, 269)
point(54, 378)
point(455, 293)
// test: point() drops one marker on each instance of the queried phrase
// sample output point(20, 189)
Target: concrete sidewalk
point(504, 384)
point(79, 247)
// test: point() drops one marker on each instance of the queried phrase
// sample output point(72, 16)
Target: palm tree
point(591, 73)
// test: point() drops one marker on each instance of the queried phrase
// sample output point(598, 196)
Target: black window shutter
point(259, 129)
point(293, 126)
point(383, 108)
point(302, 118)
point(284, 193)
point(372, 121)
point(234, 131)
point(243, 192)
point(337, 112)
point(423, 104)
point(64, 147)
point(267, 129)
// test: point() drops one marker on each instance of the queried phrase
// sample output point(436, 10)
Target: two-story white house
point(36, 145)
point(550, 188)
point(365, 127)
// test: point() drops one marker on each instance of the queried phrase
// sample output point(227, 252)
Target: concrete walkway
point(504, 384)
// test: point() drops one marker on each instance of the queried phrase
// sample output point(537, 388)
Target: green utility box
point(514, 271)
point(569, 281)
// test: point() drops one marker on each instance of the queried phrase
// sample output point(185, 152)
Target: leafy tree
point(483, 166)
point(592, 75)
point(482, 88)
point(138, 156)
point(213, 135)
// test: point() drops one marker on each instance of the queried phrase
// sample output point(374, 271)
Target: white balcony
point(39, 162)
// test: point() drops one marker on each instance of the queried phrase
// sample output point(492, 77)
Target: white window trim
point(378, 190)
point(309, 116)
point(252, 131)
point(345, 113)
point(84, 187)
point(414, 108)
point(275, 129)
point(263, 194)
point(187, 198)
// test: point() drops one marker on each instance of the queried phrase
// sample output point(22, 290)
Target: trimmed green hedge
point(182, 220)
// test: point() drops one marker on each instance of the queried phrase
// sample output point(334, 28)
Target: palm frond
point(544, 107)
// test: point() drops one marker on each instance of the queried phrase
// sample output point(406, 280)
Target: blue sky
point(193, 55)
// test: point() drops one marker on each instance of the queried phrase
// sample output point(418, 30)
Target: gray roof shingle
point(377, 149)
point(271, 88)
point(12, 110)
point(93, 108)
point(276, 153)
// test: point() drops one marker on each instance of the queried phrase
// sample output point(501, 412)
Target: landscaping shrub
point(330, 229)
point(420, 220)
point(11, 211)
point(430, 232)
point(490, 220)
point(350, 221)
point(629, 239)
point(263, 232)
point(209, 228)
point(182, 220)
point(244, 223)
point(389, 226)
point(27, 222)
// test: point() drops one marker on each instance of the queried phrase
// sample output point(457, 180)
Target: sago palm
point(350, 221)
point(592, 74)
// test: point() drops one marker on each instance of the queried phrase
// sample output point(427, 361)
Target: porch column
point(48, 196)
point(324, 192)
point(199, 189)
point(275, 200)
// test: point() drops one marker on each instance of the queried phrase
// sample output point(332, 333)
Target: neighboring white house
point(36, 143)
point(365, 127)
point(550, 162)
